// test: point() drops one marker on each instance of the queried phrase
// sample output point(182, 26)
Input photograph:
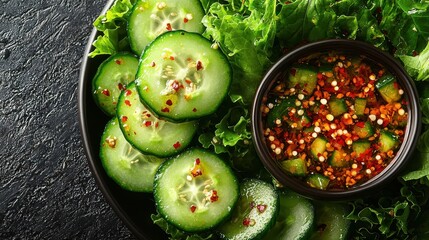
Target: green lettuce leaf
point(113, 27)
point(417, 66)
point(245, 31)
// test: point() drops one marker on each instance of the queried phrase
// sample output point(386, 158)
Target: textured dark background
point(46, 188)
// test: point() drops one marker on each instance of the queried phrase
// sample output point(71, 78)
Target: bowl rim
point(86, 143)
point(359, 48)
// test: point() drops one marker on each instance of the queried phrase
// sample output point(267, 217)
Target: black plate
point(134, 209)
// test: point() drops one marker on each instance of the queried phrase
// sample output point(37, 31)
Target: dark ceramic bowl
point(349, 47)
point(134, 209)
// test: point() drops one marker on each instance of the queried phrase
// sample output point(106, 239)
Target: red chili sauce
point(335, 121)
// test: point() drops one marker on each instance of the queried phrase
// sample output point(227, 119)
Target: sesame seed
point(380, 121)
point(330, 117)
point(317, 129)
point(273, 146)
point(368, 171)
point(336, 88)
point(292, 89)
point(300, 96)
point(311, 103)
point(293, 110)
point(321, 158)
point(401, 111)
point(300, 112)
point(323, 101)
point(278, 121)
point(401, 91)
point(334, 83)
point(378, 157)
point(298, 103)
point(372, 77)
point(301, 141)
point(294, 153)
point(354, 116)
point(289, 141)
point(270, 105)
point(314, 135)
point(354, 166)
point(354, 173)
point(278, 151)
point(340, 64)
point(271, 138)
point(349, 141)
point(372, 117)
point(345, 131)
point(333, 125)
point(340, 132)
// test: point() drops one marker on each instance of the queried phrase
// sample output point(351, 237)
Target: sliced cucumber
point(360, 105)
point(297, 166)
point(295, 220)
point(387, 141)
point(318, 146)
point(181, 77)
point(128, 167)
point(360, 146)
point(150, 18)
point(364, 130)
point(255, 212)
point(337, 106)
point(148, 133)
point(318, 181)
point(388, 88)
point(304, 78)
point(111, 78)
point(195, 190)
point(279, 110)
point(331, 222)
point(337, 159)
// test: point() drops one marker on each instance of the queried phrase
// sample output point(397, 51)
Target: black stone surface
point(46, 188)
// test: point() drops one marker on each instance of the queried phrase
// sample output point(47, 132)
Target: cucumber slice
point(337, 159)
point(388, 88)
point(111, 78)
point(128, 167)
point(387, 141)
point(297, 167)
point(295, 220)
point(181, 77)
point(331, 222)
point(255, 212)
point(280, 110)
point(364, 131)
point(304, 78)
point(318, 146)
point(195, 190)
point(318, 181)
point(158, 17)
point(360, 105)
point(148, 133)
point(337, 106)
point(360, 146)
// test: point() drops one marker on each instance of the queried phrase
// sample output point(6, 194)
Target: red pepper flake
point(293, 71)
point(165, 109)
point(106, 92)
point(124, 119)
point(197, 161)
point(172, 58)
point(169, 102)
point(147, 123)
point(360, 124)
point(118, 61)
point(188, 81)
point(196, 170)
point(252, 204)
point(156, 124)
point(176, 86)
point(193, 208)
point(288, 2)
point(261, 208)
point(128, 103)
point(177, 145)
point(169, 28)
point(199, 65)
point(194, 110)
point(121, 86)
point(214, 197)
point(153, 64)
point(128, 92)
point(185, 20)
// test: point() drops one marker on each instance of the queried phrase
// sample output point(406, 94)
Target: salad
point(253, 35)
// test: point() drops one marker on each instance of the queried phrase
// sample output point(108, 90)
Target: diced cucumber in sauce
point(337, 159)
point(129, 168)
point(388, 88)
point(304, 78)
point(158, 17)
point(195, 191)
point(387, 141)
point(360, 105)
point(331, 222)
point(111, 78)
point(297, 167)
point(182, 77)
point(255, 212)
point(361, 146)
point(364, 130)
point(318, 181)
point(318, 146)
point(279, 110)
point(295, 220)
point(148, 133)
point(337, 106)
